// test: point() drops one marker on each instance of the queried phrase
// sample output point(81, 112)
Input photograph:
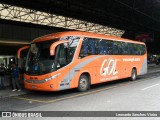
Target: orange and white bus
point(76, 59)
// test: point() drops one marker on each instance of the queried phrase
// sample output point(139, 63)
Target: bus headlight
point(47, 79)
point(36, 81)
point(52, 77)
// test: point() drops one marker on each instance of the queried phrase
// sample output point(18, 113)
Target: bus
point(76, 59)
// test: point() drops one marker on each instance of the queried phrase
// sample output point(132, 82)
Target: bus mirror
point(54, 45)
point(20, 50)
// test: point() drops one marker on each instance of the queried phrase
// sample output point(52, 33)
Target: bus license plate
point(34, 87)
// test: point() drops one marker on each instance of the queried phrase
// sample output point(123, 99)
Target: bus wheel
point(133, 74)
point(83, 84)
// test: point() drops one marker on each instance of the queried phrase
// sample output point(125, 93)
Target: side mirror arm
point(54, 45)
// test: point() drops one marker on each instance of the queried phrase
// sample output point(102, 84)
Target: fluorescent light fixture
point(14, 42)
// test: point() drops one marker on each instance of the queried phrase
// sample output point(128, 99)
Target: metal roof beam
point(20, 14)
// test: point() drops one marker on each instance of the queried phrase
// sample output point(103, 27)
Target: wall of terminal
point(11, 32)
point(21, 33)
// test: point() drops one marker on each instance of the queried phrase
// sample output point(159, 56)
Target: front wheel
point(83, 84)
point(133, 74)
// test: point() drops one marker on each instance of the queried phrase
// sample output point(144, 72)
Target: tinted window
point(141, 49)
point(120, 48)
point(133, 49)
point(137, 49)
point(125, 47)
point(114, 48)
point(103, 48)
point(110, 47)
point(90, 46)
point(94, 46)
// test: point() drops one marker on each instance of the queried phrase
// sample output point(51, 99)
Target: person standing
point(10, 75)
point(2, 73)
point(15, 77)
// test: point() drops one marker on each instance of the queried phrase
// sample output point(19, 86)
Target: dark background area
point(133, 16)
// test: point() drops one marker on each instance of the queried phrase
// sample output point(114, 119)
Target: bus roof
point(81, 33)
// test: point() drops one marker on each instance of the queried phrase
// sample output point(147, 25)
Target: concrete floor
point(142, 95)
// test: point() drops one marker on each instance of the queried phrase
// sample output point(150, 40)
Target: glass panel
point(39, 60)
point(110, 47)
point(115, 48)
point(103, 47)
point(67, 51)
point(141, 49)
point(90, 46)
point(125, 48)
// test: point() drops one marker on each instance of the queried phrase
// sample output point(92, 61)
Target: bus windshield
point(39, 61)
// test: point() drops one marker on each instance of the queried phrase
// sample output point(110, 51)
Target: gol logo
point(108, 67)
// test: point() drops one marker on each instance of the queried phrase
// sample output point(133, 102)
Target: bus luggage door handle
point(76, 70)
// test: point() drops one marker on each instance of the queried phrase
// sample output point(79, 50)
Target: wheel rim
point(133, 75)
point(83, 83)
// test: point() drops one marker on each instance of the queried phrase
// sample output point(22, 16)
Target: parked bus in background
point(76, 59)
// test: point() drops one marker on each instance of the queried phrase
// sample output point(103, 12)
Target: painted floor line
point(149, 87)
point(33, 100)
point(65, 98)
point(88, 93)
point(83, 94)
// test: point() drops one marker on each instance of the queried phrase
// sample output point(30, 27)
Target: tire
point(157, 62)
point(83, 83)
point(133, 74)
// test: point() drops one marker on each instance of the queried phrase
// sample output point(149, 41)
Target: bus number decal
point(108, 67)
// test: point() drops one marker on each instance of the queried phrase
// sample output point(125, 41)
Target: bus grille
point(35, 81)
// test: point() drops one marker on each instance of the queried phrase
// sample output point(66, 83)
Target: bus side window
point(96, 42)
point(70, 53)
point(100, 50)
point(91, 46)
point(125, 48)
point(103, 47)
point(132, 49)
point(135, 47)
point(138, 49)
point(110, 47)
point(115, 48)
point(142, 49)
point(88, 47)
point(84, 48)
point(120, 48)
point(62, 60)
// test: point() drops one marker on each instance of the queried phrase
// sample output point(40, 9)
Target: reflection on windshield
point(39, 60)
point(34, 48)
point(67, 50)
